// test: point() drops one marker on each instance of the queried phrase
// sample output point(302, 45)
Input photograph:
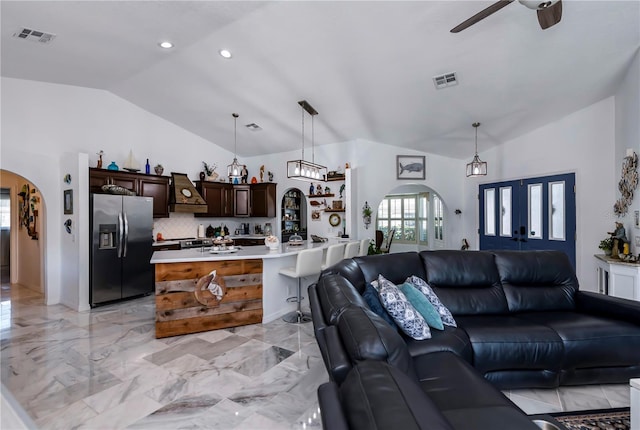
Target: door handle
point(120, 234)
point(126, 234)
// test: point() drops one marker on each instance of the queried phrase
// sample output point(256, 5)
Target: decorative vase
point(159, 170)
point(113, 166)
point(213, 177)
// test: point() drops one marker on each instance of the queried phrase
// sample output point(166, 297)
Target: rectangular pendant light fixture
point(301, 169)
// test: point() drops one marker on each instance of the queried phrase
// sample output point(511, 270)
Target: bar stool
point(308, 263)
point(352, 249)
point(335, 253)
point(364, 247)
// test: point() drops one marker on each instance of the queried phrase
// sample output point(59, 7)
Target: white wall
point(48, 130)
point(627, 129)
point(582, 142)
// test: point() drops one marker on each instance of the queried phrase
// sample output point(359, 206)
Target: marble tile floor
point(104, 369)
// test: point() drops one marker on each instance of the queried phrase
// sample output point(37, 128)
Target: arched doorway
point(415, 214)
point(22, 229)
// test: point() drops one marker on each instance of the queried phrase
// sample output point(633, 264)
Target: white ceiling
point(366, 67)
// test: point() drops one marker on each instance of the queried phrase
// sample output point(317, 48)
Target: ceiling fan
point(549, 13)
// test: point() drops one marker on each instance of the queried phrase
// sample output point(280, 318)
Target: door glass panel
point(490, 212)
point(556, 211)
point(535, 211)
point(505, 211)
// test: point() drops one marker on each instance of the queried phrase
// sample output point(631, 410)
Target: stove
point(195, 243)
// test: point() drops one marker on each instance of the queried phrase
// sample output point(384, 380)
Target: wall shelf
point(334, 210)
point(319, 196)
point(336, 178)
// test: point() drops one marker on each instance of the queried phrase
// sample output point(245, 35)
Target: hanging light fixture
point(234, 170)
point(302, 169)
point(476, 167)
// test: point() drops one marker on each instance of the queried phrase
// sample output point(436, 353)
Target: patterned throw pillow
point(422, 305)
point(402, 311)
point(370, 296)
point(421, 285)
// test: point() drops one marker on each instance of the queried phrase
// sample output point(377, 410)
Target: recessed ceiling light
point(166, 45)
point(225, 53)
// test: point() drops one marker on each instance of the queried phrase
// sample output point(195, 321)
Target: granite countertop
point(613, 260)
point(242, 253)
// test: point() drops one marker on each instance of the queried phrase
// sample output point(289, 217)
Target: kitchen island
point(254, 291)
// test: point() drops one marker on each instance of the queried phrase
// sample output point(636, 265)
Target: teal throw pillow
point(422, 305)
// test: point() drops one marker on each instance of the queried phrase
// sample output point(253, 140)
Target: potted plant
point(366, 214)
point(210, 171)
point(606, 245)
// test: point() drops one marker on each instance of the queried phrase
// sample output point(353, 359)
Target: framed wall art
point(410, 166)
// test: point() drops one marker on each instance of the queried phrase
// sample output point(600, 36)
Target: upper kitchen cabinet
point(263, 200)
point(242, 201)
point(143, 185)
point(219, 198)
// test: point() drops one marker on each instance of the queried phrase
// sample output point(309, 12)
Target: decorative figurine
point(244, 173)
point(100, 154)
point(262, 173)
point(619, 236)
point(270, 175)
point(319, 189)
point(311, 190)
point(327, 190)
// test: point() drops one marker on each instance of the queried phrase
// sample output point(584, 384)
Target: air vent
point(253, 127)
point(446, 80)
point(34, 35)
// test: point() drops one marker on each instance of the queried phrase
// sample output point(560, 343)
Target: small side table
point(635, 403)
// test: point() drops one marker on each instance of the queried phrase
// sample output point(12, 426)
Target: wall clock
point(334, 220)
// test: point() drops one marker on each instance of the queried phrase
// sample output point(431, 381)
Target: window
point(408, 214)
point(5, 209)
point(438, 216)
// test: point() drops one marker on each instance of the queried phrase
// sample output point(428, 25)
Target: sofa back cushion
point(350, 270)
point(467, 282)
point(394, 267)
point(537, 280)
point(377, 396)
point(366, 336)
point(336, 293)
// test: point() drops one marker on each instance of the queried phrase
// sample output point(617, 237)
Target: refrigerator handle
point(120, 234)
point(126, 234)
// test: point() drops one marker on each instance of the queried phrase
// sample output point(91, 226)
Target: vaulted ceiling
point(365, 66)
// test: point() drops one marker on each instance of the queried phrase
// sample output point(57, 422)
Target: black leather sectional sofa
point(521, 323)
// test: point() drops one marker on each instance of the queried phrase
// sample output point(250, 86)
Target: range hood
point(184, 197)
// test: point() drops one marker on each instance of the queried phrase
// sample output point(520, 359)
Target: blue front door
point(532, 213)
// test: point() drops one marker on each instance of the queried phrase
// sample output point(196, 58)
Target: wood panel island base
point(181, 309)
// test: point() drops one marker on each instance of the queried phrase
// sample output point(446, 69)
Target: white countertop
point(243, 253)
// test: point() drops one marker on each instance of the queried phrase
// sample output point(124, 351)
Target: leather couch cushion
point(506, 342)
point(464, 397)
point(404, 314)
point(349, 270)
point(378, 396)
point(452, 339)
point(366, 336)
point(467, 283)
point(537, 280)
point(335, 294)
point(592, 341)
point(394, 267)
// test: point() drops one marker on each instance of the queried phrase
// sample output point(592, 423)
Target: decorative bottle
point(147, 167)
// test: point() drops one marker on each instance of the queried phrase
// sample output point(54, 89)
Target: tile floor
point(105, 369)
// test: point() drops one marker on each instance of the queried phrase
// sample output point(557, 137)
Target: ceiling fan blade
point(550, 16)
point(481, 15)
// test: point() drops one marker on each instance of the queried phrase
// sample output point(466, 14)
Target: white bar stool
point(308, 263)
point(335, 253)
point(364, 247)
point(352, 249)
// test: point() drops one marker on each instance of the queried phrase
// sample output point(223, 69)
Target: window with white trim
point(408, 214)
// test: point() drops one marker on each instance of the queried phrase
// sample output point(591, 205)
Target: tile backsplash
point(185, 225)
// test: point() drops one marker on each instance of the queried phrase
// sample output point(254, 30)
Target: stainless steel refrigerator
point(121, 247)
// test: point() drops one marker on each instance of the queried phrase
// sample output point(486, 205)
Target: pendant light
point(301, 169)
point(234, 170)
point(476, 167)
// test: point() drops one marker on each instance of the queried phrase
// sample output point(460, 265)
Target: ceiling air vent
point(253, 127)
point(34, 35)
point(446, 80)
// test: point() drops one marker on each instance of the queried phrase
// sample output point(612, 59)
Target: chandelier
point(234, 170)
point(477, 167)
point(302, 169)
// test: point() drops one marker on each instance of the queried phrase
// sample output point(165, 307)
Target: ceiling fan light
point(538, 4)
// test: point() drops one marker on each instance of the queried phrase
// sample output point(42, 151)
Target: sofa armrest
point(608, 306)
point(336, 359)
point(319, 322)
point(331, 411)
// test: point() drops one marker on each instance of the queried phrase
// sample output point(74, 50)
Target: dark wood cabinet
point(143, 185)
point(242, 201)
point(263, 200)
point(219, 198)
